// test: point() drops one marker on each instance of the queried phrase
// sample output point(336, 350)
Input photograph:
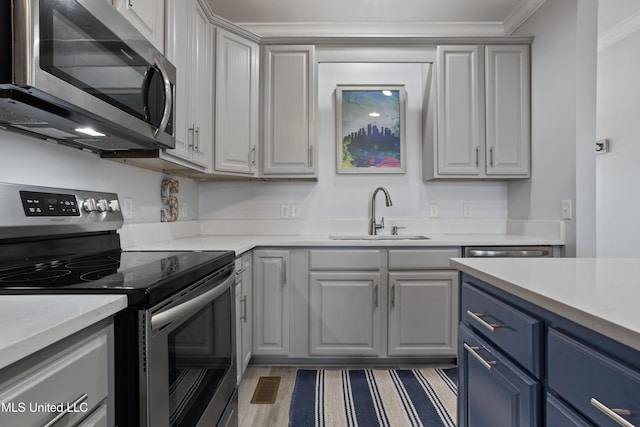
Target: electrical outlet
point(127, 208)
point(296, 210)
point(433, 210)
point(285, 211)
point(567, 209)
point(184, 211)
point(467, 211)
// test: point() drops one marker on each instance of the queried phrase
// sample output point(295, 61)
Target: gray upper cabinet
point(236, 124)
point(482, 125)
point(190, 44)
point(147, 16)
point(289, 99)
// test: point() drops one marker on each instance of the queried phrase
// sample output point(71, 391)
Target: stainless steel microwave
point(77, 72)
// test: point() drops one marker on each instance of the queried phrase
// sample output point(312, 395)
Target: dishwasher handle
point(509, 252)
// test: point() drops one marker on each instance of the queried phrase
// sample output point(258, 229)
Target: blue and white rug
point(374, 397)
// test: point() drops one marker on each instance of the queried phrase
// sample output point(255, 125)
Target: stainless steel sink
point(377, 237)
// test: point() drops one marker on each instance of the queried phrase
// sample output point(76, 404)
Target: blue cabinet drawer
point(516, 333)
point(559, 415)
point(596, 385)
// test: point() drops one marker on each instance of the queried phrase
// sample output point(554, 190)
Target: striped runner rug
point(374, 397)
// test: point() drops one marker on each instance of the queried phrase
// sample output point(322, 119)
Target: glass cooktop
point(146, 277)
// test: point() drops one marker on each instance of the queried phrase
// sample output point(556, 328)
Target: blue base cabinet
point(493, 391)
point(521, 365)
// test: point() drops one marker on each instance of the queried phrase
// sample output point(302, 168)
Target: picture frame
point(370, 129)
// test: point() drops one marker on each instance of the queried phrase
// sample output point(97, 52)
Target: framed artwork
point(370, 129)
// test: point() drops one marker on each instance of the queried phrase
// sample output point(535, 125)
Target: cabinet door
point(190, 39)
point(236, 134)
point(246, 318)
point(289, 111)
point(422, 313)
point(460, 115)
point(271, 273)
point(344, 318)
point(560, 415)
point(492, 390)
point(507, 110)
point(148, 18)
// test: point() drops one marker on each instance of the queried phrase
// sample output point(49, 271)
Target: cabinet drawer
point(559, 415)
point(421, 259)
point(62, 379)
point(515, 332)
point(584, 377)
point(344, 259)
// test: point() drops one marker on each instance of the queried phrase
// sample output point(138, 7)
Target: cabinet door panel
point(559, 415)
point(422, 315)
point(499, 396)
point(507, 110)
point(148, 18)
point(344, 314)
point(271, 299)
point(289, 106)
point(236, 104)
point(459, 115)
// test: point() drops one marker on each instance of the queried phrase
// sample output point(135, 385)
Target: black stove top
point(146, 277)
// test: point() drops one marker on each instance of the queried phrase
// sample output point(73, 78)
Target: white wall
point(563, 81)
point(346, 196)
point(32, 161)
point(618, 172)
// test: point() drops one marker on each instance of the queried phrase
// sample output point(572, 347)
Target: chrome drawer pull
point(478, 318)
point(614, 414)
point(473, 350)
point(68, 407)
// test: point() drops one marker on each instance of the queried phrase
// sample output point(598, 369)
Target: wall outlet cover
point(285, 211)
point(467, 210)
point(433, 210)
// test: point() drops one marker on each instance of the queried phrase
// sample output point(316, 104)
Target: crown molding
point(520, 14)
point(327, 30)
point(619, 31)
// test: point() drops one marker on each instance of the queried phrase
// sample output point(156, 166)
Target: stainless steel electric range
point(174, 344)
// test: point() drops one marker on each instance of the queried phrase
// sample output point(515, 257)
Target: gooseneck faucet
point(374, 226)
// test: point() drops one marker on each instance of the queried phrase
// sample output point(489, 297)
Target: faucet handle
point(394, 230)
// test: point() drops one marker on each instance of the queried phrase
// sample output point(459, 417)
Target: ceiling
point(415, 17)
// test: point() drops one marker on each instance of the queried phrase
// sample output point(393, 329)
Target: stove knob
point(89, 205)
point(102, 205)
point(114, 206)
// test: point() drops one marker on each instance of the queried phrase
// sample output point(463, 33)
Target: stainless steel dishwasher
point(508, 251)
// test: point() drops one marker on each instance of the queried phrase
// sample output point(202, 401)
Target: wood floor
point(277, 414)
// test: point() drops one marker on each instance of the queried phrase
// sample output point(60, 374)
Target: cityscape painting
point(370, 122)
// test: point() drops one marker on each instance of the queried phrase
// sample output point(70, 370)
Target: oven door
point(187, 367)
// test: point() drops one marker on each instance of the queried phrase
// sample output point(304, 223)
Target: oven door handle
point(190, 307)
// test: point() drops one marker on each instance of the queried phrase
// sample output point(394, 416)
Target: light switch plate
point(567, 209)
point(285, 211)
point(127, 208)
point(433, 210)
point(467, 210)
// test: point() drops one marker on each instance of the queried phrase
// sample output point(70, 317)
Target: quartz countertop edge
point(33, 322)
point(594, 293)
point(245, 243)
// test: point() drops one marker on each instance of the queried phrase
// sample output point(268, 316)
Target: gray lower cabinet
point(344, 313)
point(422, 313)
point(76, 372)
point(271, 302)
point(244, 316)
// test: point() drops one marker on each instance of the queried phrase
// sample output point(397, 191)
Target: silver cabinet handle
point(509, 253)
point(68, 407)
point(375, 295)
point(192, 131)
point(478, 318)
point(311, 155)
point(477, 157)
point(284, 272)
point(614, 414)
point(253, 155)
point(243, 309)
point(473, 351)
point(393, 295)
point(491, 156)
point(239, 272)
point(197, 139)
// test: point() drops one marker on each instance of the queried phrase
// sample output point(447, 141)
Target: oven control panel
point(49, 204)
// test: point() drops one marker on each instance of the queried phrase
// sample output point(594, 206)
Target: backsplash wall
point(31, 161)
point(347, 196)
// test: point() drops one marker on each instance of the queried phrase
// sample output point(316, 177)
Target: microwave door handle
point(168, 97)
point(190, 307)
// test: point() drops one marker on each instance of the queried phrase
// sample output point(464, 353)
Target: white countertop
point(601, 294)
point(244, 243)
point(32, 322)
